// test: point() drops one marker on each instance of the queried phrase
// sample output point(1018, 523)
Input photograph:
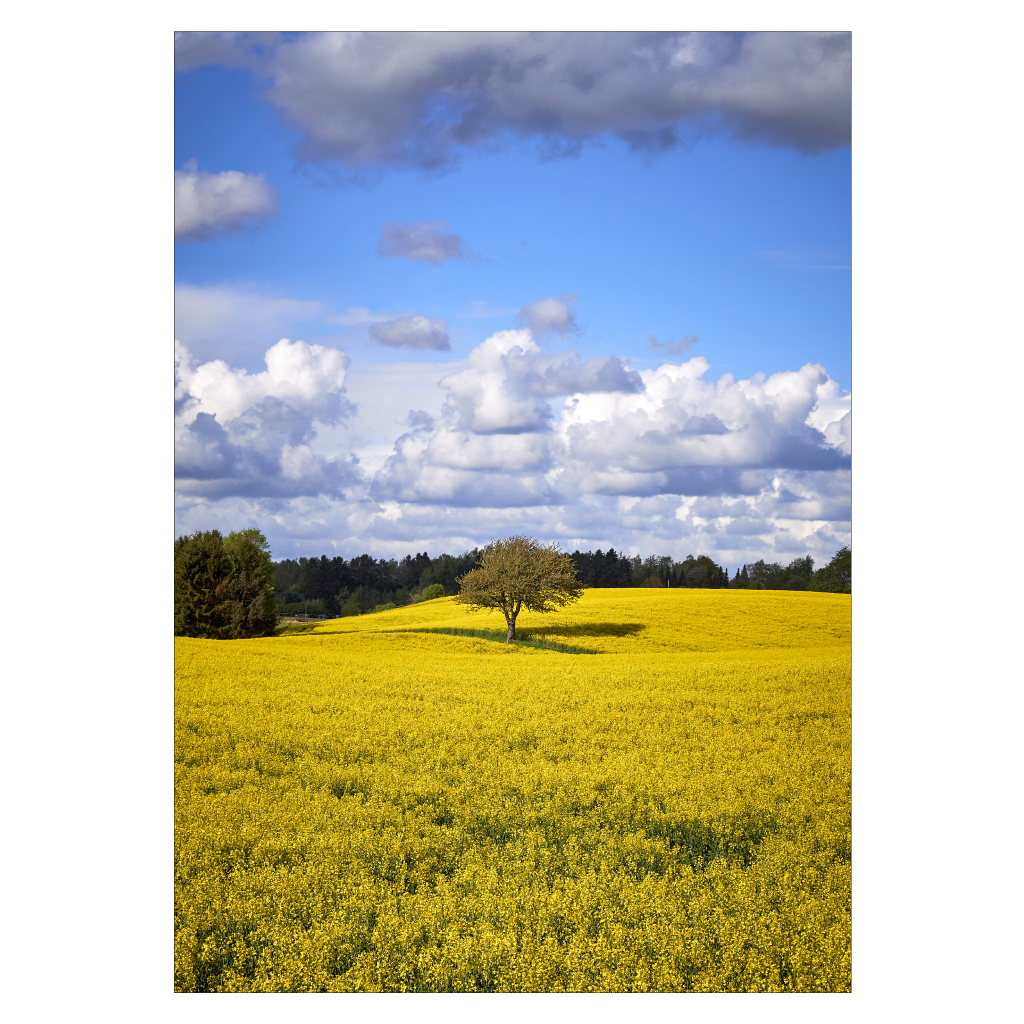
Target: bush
point(385, 607)
point(435, 590)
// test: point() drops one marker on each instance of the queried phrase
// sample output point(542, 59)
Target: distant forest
point(334, 586)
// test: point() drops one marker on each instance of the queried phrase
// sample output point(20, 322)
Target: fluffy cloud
point(416, 332)
point(833, 417)
point(422, 98)
point(425, 242)
point(250, 434)
point(621, 434)
point(556, 313)
point(208, 205)
point(510, 381)
point(683, 435)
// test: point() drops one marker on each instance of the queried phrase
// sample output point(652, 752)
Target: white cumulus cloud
point(238, 433)
point(509, 383)
point(621, 433)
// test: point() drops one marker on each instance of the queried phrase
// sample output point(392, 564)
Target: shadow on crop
point(526, 636)
point(586, 629)
point(523, 638)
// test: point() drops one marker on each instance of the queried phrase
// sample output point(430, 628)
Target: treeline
point(597, 569)
point(334, 586)
point(834, 578)
point(228, 587)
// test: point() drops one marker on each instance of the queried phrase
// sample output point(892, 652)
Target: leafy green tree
point(202, 586)
point(801, 567)
point(223, 587)
point(253, 610)
point(837, 576)
point(766, 575)
point(435, 590)
point(842, 570)
point(520, 573)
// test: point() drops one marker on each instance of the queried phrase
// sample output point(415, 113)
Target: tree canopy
point(224, 586)
point(520, 573)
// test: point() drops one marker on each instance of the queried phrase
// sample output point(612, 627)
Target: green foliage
point(837, 576)
point(202, 586)
point(293, 628)
point(316, 607)
point(761, 575)
point(224, 587)
point(435, 590)
point(520, 573)
point(408, 581)
point(352, 605)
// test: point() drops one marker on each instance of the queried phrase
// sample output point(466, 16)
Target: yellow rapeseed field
point(651, 792)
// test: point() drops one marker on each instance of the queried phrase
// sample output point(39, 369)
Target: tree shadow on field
point(526, 636)
point(587, 629)
point(523, 638)
point(537, 636)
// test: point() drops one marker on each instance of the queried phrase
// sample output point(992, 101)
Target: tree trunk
point(511, 638)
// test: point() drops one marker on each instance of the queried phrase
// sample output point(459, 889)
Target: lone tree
point(520, 573)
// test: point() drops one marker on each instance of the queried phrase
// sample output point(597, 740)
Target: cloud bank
point(621, 432)
point(423, 99)
point(584, 451)
point(210, 205)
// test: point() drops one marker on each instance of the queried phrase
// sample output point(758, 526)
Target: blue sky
point(685, 386)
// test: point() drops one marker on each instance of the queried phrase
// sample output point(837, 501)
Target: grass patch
point(291, 628)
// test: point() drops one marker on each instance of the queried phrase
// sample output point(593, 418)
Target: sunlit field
point(650, 792)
